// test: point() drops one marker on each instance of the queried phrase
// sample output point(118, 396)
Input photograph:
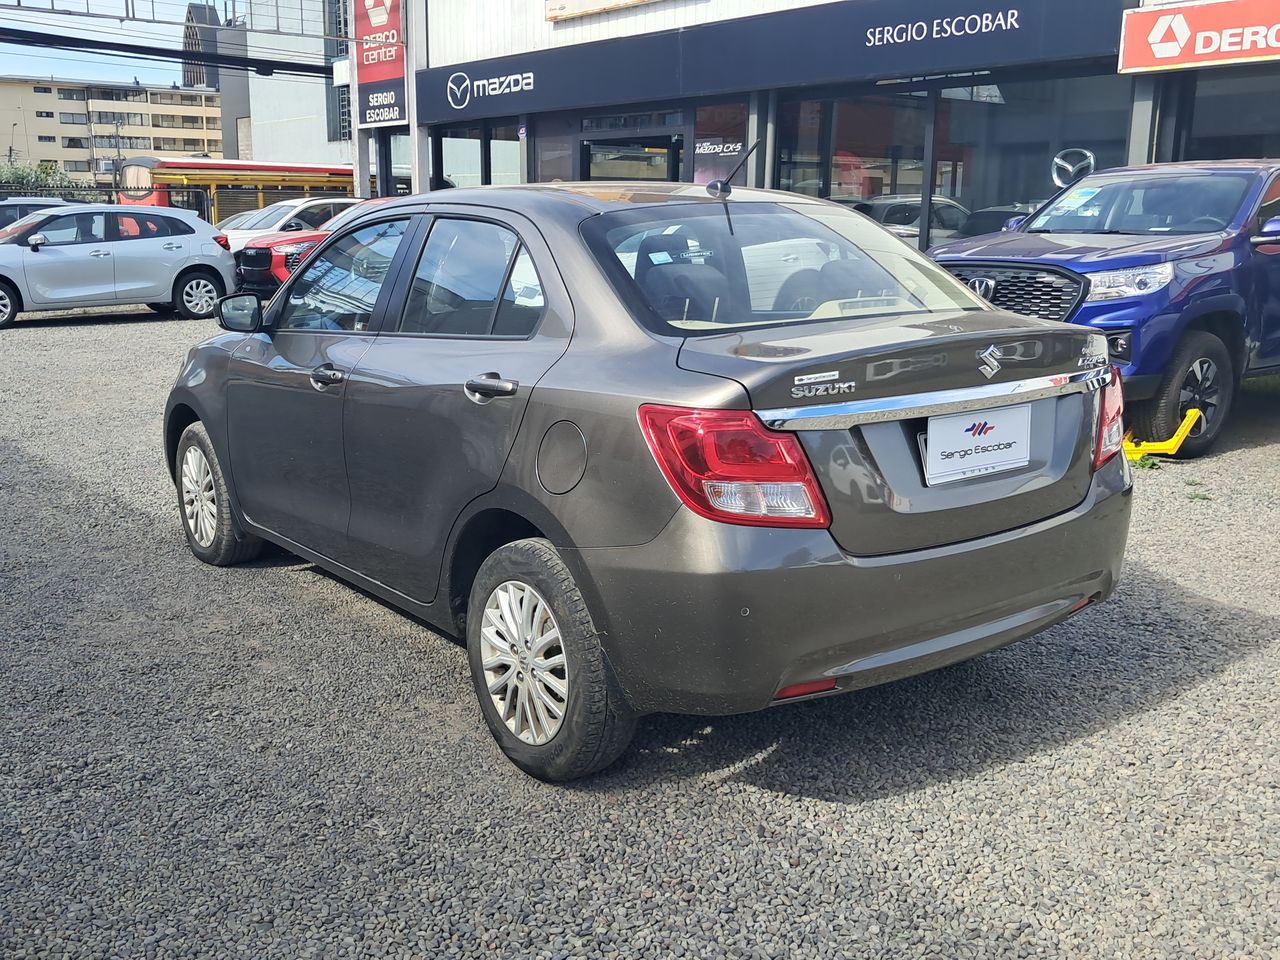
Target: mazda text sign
point(379, 53)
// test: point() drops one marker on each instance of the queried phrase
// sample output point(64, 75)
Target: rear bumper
point(712, 618)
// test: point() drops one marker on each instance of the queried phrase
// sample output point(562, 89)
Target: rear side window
point(340, 288)
point(141, 226)
point(474, 279)
point(700, 268)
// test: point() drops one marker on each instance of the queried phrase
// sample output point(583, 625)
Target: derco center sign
point(1200, 35)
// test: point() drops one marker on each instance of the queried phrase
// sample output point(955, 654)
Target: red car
point(265, 262)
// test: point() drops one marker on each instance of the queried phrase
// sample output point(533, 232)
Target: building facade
point(943, 115)
point(84, 127)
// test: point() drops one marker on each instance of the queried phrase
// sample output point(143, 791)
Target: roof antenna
point(720, 189)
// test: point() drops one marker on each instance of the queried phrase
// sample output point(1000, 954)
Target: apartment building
point(83, 127)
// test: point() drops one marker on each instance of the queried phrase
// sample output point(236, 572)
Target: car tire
point(9, 304)
point(1201, 368)
point(803, 290)
point(204, 503)
point(555, 663)
point(196, 294)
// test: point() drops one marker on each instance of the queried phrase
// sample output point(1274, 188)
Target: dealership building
point(942, 114)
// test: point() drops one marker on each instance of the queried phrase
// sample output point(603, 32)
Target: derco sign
point(378, 51)
point(1201, 34)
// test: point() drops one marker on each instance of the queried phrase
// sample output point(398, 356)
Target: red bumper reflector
point(804, 689)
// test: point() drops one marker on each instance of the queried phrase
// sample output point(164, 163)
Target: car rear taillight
point(221, 240)
point(1110, 421)
point(726, 465)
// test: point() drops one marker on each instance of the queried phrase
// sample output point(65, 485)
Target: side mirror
point(1013, 223)
point(240, 313)
point(1270, 233)
point(37, 240)
point(294, 225)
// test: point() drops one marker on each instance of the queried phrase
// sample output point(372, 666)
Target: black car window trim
point(431, 220)
point(1254, 221)
point(389, 287)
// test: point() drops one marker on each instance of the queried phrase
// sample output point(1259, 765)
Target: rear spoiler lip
point(852, 413)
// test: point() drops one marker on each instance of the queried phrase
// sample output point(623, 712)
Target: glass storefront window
point(800, 148)
point(460, 156)
point(1223, 97)
point(996, 143)
point(877, 159)
point(720, 140)
point(504, 154)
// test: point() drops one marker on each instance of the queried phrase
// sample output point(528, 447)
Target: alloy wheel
point(199, 295)
point(524, 662)
point(199, 500)
point(6, 306)
point(1202, 389)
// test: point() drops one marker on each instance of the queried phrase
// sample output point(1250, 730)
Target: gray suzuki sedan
point(651, 448)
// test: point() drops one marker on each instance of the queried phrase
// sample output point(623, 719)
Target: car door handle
point(172, 246)
point(490, 385)
point(326, 375)
point(100, 253)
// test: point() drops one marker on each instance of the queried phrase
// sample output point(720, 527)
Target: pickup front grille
point(1033, 291)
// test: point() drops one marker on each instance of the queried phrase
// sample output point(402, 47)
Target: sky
point(87, 64)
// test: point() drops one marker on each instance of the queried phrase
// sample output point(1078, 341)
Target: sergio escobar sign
point(379, 52)
point(1200, 35)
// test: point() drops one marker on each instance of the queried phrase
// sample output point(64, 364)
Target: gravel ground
point(262, 762)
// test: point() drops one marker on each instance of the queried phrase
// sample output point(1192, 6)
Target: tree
point(44, 178)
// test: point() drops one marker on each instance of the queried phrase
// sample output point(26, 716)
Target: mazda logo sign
point(984, 287)
point(459, 91)
point(1072, 164)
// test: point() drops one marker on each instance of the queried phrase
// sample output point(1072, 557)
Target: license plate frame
point(962, 446)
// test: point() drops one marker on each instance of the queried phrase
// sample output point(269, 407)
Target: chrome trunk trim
point(851, 413)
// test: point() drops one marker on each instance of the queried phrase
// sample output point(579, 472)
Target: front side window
point(340, 288)
point(75, 228)
point(1145, 204)
point(697, 269)
point(466, 285)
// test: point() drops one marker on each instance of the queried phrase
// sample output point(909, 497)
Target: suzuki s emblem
point(984, 287)
point(1072, 164)
point(990, 358)
point(459, 90)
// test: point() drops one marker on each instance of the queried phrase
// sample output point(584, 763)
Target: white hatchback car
point(96, 255)
point(302, 213)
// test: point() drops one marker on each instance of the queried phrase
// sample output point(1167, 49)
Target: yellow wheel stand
point(1135, 450)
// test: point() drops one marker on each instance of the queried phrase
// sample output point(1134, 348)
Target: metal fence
point(187, 197)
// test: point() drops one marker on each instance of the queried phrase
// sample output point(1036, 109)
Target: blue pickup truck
point(1178, 264)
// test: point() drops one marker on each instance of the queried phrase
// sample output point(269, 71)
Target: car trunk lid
point(861, 395)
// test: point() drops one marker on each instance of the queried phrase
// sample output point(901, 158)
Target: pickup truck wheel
point(205, 503)
point(1201, 375)
point(545, 688)
point(8, 304)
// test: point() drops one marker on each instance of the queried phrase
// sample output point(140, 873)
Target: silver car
point(98, 255)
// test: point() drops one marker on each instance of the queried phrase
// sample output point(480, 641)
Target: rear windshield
point(257, 219)
point(699, 268)
point(1145, 204)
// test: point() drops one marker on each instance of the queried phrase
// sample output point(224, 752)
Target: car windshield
point(18, 227)
point(1145, 204)
point(349, 213)
point(259, 219)
point(698, 268)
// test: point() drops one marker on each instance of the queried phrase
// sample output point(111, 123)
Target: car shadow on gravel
point(1124, 657)
point(31, 322)
point(1255, 418)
